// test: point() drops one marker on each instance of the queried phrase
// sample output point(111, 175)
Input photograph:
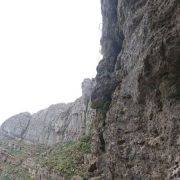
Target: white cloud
point(46, 49)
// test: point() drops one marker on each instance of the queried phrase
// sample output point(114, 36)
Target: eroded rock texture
point(57, 124)
point(137, 96)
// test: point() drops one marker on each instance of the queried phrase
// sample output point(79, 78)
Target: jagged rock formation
point(57, 124)
point(137, 95)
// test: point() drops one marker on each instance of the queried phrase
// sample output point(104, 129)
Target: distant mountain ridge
point(58, 123)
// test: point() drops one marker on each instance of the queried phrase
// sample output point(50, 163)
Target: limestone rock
point(16, 126)
point(137, 92)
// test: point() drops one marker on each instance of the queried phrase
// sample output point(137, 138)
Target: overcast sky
point(47, 48)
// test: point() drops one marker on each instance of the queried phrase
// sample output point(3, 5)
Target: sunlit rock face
point(15, 126)
point(137, 95)
point(58, 123)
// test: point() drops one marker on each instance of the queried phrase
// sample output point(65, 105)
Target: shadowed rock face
point(58, 123)
point(137, 95)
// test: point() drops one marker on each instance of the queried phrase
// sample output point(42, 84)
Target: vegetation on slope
point(14, 172)
point(68, 159)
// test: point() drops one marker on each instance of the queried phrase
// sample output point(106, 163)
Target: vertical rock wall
point(137, 96)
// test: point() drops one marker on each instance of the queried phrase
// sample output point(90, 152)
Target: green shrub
point(68, 159)
point(14, 172)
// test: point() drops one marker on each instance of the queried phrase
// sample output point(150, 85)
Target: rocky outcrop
point(58, 123)
point(15, 126)
point(137, 92)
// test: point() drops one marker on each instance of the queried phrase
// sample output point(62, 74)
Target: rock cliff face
point(56, 124)
point(137, 95)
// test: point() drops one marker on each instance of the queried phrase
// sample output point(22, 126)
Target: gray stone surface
point(137, 96)
point(15, 126)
